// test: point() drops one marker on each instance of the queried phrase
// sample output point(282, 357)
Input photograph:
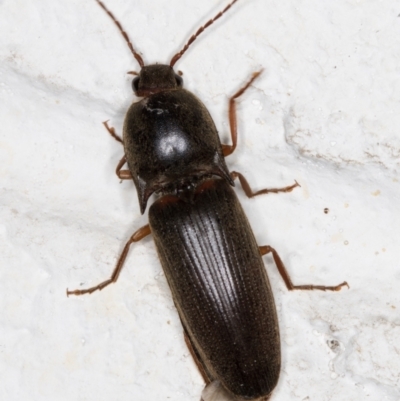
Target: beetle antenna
point(124, 34)
point(199, 31)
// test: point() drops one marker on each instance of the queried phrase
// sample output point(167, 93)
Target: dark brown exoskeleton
point(206, 246)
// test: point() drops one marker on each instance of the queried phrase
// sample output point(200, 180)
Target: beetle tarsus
point(111, 131)
point(264, 250)
point(229, 149)
point(249, 192)
point(136, 237)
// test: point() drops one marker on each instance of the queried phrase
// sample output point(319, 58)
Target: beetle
point(207, 249)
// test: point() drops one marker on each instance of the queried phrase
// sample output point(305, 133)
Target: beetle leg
point(196, 357)
point(229, 149)
point(137, 236)
point(249, 192)
point(111, 131)
point(286, 278)
point(123, 174)
point(216, 392)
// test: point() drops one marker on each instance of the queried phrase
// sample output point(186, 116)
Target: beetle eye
point(135, 84)
point(179, 80)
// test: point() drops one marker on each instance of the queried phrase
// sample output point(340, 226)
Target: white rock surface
point(325, 112)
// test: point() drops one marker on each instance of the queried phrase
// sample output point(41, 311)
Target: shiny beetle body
point(207, 249)
point(220, 288)
point(205, 244)
point(169, 137)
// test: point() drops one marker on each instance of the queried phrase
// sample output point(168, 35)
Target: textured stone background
point(325, 112)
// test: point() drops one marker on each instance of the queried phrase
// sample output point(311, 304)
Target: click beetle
point(207, 249)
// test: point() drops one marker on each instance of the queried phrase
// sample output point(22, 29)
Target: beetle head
point(156, 78)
